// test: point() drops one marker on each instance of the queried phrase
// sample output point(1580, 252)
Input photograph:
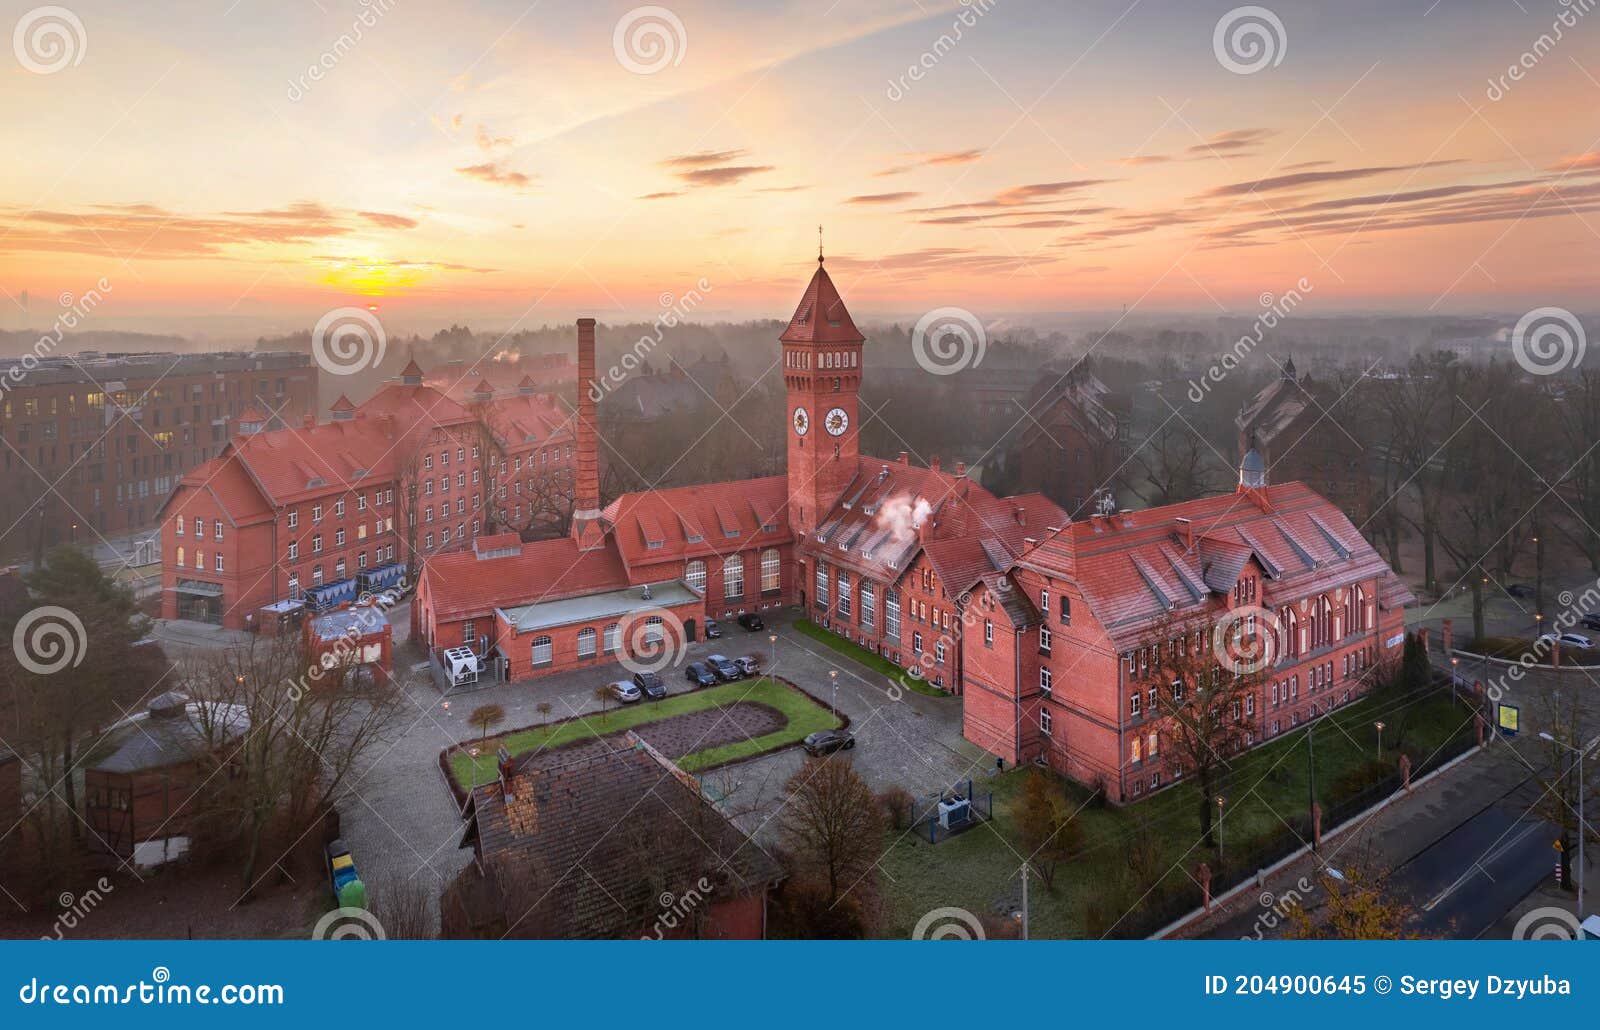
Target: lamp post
point(1582, 826)
point(833, 704)
point(1220, 802)
point(773, 640)
point(1379, 727)
point(1454, 677)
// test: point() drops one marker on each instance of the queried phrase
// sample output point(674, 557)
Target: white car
point(624, 691)
point(1569, 640)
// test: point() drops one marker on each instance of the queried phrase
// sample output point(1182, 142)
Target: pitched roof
point(170, 731)
point(605, 836)
point(1134, 567)
point(294, 463)
point(821, 316)
point(661, 525)
point(227, 482)
point(462, 585)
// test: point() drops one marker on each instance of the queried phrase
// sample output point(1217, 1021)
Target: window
point(217, 561)
point(938, 651)
point(543, 651)
point(822, 586)
point(316, 544)
point(1044, 602)
point(586, 643)
point(653, 632)
point(1133, 704)
point(1066, 610)
point(216, 529)
point(772, 577)
point(988, 633)
point(891, 614)
point(916, 643)
point(294, 551)
point(845, 597)
point(1046, 679)
point(316, 513)
point(695, 575)
point(733, 578)
point(1044, 639)
point(1250, 704)
point(180, 556)
point(613, 637)
point(1044, 721)
point(1136, 750)
point(869, 604)
point(338, 508)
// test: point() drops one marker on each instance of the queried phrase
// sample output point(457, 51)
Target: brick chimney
point(933, 463)
point(1021, 515)
point(586, 528)
point(961, 468)
point(1186, 532)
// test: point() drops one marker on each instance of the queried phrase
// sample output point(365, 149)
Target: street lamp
point(1220, 802)
point(773, 640)
point(833, 705)
point(1379, 726)
point(1582, 826)
point(1454, 677)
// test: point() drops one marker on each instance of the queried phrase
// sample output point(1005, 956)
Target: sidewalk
point(1403, 829)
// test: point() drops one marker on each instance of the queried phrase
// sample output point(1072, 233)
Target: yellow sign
point(1510, 717)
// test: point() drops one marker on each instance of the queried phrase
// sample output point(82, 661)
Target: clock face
point(837, 422)
point(802, 422)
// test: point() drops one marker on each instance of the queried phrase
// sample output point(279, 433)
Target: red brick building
point(329, 512)
point(114, 433)
point(1038, 621)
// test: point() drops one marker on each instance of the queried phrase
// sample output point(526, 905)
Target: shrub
point(897, 804)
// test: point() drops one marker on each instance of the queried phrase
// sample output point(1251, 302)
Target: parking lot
point(401, 821)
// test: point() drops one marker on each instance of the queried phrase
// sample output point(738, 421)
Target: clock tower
point(822, 376)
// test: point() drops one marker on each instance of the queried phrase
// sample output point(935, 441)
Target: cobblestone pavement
point(402, 824)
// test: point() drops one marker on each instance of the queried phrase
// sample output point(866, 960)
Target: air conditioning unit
point(955, 811)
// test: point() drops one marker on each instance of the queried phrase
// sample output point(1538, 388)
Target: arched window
point(180, 557)
point(771, 573)
point(543, 651)
point(586, 643)
point(613, 637)
point(733, 578)
point(695, 575)
point(653, 632)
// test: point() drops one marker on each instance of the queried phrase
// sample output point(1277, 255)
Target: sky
point(249, 165)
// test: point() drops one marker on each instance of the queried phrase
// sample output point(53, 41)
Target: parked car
point(649, 683)
point(752, 622)
point(824, 742)
point(726, 668)
point(1569, 640)
point(700, 674)
point(1519, 590)
point(1591, 621)
point(624, 691)
point(713, 631)
point(749, 664)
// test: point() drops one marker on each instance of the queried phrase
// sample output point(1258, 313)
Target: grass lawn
point(805, 717)
point(1155, 843)
point(861, 656)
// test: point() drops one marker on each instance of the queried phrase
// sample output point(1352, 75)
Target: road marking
point(1477, 866)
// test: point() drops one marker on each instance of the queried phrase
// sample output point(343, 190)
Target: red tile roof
point(290, 464)
point(1135, 569)
point(226, 480)
point(529, 420)
point(821, 316)
point(461, 585)
point(673, 517)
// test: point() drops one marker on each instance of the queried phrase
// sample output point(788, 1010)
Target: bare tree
point(830, 824)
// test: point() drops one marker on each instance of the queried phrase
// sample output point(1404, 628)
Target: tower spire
point(819, 244)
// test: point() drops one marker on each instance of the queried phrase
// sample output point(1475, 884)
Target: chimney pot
point(905, 458)
point(961, 468)
point(308, 421)
point(933, 463)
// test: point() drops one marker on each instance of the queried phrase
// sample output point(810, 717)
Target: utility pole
point(1311, 762)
